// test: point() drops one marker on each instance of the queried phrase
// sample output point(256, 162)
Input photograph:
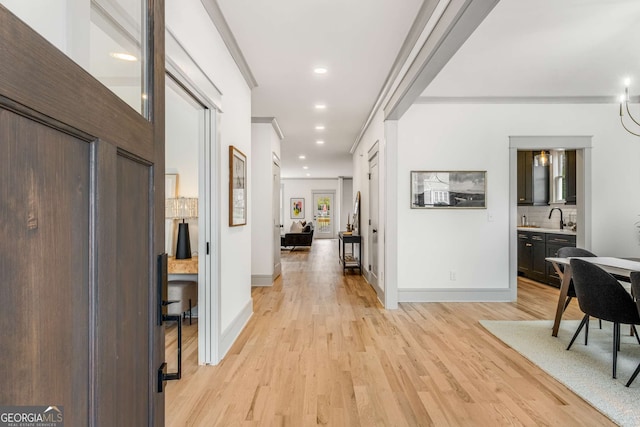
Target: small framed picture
point(448, 189)
point(297, 208)
point(237, 187)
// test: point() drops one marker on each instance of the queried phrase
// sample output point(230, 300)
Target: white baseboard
point(229, 335)
point(262, 280)
point(456, 295)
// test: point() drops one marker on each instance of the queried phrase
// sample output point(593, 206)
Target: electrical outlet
point(452, 276)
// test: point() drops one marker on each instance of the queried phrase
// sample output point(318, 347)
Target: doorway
point(184, 136)
point(582, 145)
point(373, 216)
point(277, 214)
point(323, 214)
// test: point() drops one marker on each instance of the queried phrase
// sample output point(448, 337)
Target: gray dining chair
point(600, 295)
point(568, 252)
point(635, 289)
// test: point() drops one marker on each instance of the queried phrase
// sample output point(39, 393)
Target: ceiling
point(284, 40)
point(523, 49)
point(547, 48)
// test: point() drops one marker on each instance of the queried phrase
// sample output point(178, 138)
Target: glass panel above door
point(105, 37)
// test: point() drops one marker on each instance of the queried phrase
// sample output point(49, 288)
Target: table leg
point(564, 289)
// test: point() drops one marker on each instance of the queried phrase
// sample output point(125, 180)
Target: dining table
point(620, 267)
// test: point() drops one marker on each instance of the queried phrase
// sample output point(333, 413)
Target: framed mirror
point(356, 213)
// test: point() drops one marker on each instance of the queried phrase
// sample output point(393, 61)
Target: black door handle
point(374, 231)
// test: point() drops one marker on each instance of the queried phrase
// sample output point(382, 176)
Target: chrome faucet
point(561, 220)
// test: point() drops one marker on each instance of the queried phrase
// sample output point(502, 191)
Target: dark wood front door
point(81, 226)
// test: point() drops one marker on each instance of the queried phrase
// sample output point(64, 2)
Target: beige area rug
point(584, 369)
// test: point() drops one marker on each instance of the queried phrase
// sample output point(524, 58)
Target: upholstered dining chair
point(600, 295)
point(568, 252)
point(635, 289)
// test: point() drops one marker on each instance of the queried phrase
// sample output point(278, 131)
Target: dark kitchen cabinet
point(533, 180)
point(554, 242)
point(533, 249)
point(571, 177)
point(525, 177)
point(531, 255)
point(525, 253)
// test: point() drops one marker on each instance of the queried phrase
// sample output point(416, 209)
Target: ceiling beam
point(459, 20)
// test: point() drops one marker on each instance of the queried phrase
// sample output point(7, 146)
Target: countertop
point(548, 230)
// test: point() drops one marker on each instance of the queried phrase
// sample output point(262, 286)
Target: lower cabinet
point(533, 248)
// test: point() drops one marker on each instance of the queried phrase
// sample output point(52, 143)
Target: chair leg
point(566, 304)
point(616, 343)
point(633, 377)
point(585, 319)
point(586, 331)
point(635, 332)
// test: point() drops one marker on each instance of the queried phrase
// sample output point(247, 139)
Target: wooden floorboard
point(321, 350)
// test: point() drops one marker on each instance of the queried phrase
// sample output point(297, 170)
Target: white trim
point(262, 280)
point(274, 123)
point(388, 196)
point(181, 65)
point(213, 9)
point(517, 100)
point(229, 335)
point(456, 295)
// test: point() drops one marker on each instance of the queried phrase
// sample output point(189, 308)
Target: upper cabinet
point(546, 177)
point(533, 178)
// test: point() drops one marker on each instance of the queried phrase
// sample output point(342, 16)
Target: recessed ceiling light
point(627, 81)
point(305, 167)
point(320, 142)
point(320, 127)
point(123, 56)
point(302, 157)
point(320, 106)
point(320, 70)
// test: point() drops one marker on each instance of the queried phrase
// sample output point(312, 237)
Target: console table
point(349, 260)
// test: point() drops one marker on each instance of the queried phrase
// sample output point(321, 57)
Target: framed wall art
point(297, 208)
point(449, 189)
point(237, 187)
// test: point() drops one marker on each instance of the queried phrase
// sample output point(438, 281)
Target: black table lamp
point(182, 208)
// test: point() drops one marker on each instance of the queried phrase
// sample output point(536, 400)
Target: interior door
point(323, 209)
point(276, 207)
point(373, 216)
point(81, 229)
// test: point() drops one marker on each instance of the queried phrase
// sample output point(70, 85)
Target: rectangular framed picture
point(297, 208)
point(237, 187)
point(449, 189)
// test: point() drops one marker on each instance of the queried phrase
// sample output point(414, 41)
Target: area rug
point(586, 370)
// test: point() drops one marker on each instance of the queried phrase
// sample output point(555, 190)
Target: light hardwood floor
point(320, 350)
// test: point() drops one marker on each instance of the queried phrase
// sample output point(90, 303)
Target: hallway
point(320, 350)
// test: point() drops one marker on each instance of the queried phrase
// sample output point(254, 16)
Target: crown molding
point(270, 120)
point(422, 18)
point(215, 13)
point(517, 100)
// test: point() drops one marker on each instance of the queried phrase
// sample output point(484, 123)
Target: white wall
point(348, 199)
point(434, 243)
point(264, 143)
point(192, 27)
point(297, 188)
